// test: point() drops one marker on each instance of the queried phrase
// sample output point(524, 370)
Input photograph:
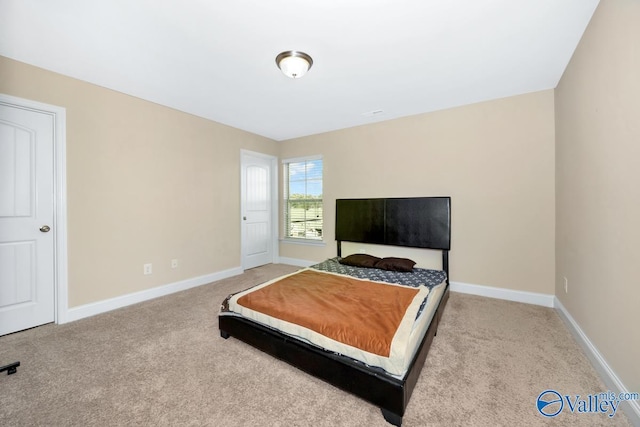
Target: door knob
point(244, 218)
point(45, 228)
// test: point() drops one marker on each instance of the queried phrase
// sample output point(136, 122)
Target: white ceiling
point(216, 59)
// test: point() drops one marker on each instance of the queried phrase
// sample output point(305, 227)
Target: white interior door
point(256, 210)
point(27, 285)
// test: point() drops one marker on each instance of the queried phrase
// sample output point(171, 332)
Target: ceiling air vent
point(373, 113)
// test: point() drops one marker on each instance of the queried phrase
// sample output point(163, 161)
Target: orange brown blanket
point(356, 312)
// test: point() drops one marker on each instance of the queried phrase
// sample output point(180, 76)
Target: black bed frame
point(423, 222)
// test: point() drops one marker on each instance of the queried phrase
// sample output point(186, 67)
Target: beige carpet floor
point(163, 363)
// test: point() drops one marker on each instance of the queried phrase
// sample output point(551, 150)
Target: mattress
point(412, 326)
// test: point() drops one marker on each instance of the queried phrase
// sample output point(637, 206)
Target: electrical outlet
point(148, 269)
point(174, 263)
point(566, 285)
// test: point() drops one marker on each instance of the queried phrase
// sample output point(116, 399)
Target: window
point(303, 198)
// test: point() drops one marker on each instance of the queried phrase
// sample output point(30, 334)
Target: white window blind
point(303, 218)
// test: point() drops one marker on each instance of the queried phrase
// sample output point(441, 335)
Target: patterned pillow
point(360, 260)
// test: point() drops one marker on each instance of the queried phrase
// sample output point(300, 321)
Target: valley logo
point(550, 403)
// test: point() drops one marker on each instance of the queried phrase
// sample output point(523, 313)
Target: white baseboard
point(631, 407)
point(87, 310)
point(544, 300)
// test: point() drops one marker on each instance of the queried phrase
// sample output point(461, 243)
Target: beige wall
point(598, 186)
point(495, 159)
point(146, 184)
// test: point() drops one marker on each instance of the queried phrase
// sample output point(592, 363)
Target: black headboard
point(417, 222)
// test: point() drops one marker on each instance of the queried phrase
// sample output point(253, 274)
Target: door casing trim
point(59, 114)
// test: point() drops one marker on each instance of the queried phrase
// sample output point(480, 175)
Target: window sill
point(304, 242)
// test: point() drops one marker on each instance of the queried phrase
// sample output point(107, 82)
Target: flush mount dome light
point(294, 64)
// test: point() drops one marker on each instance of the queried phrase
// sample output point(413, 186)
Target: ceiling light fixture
point(294, 64)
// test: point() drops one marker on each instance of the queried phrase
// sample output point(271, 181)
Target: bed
point(423, 222)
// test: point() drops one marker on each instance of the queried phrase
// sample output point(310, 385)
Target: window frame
point(287, 238)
